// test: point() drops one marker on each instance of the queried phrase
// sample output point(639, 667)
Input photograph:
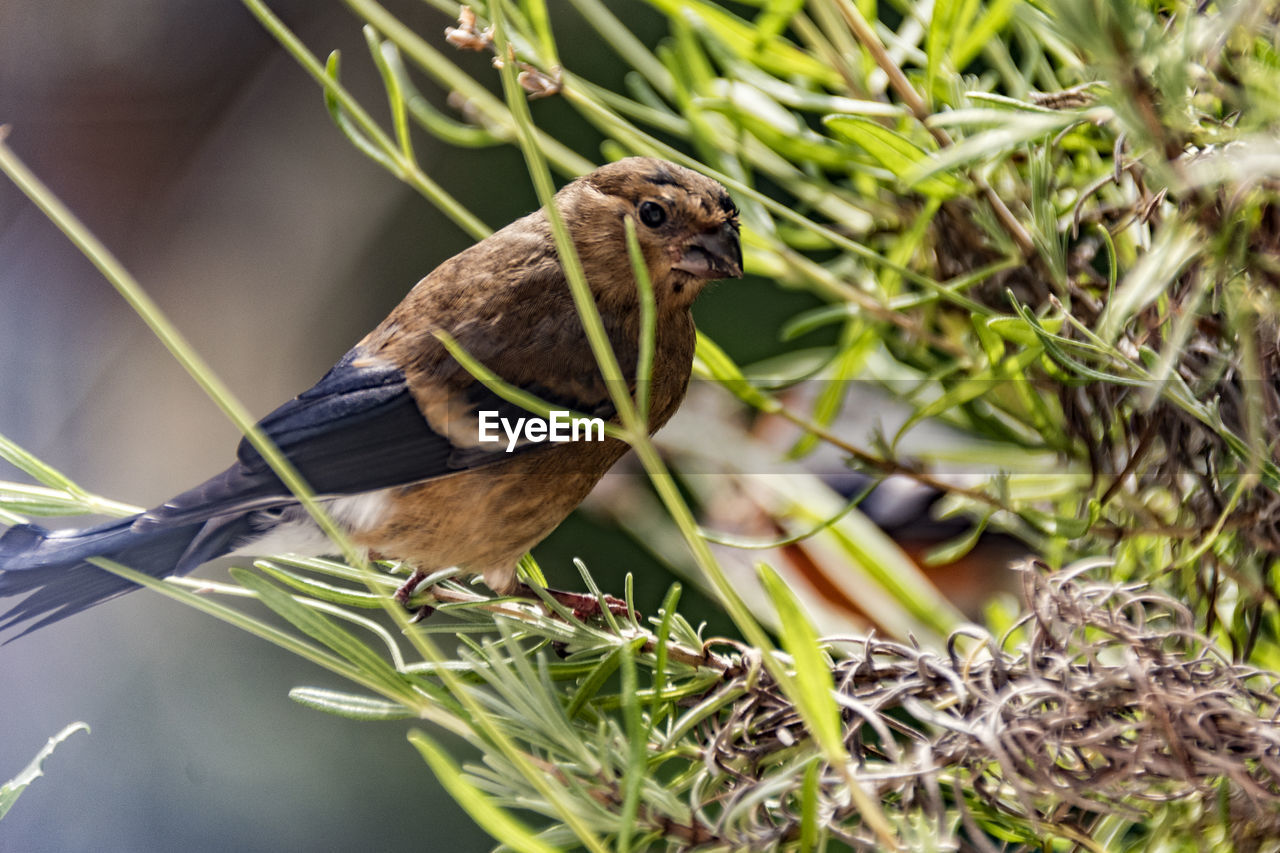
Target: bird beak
point(713, 254)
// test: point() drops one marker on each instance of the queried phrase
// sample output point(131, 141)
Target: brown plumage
point(391, 436)
point(507, 303)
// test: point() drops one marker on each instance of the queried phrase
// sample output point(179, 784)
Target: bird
point(392, 439)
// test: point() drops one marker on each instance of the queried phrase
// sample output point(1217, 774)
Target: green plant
point(11, 790)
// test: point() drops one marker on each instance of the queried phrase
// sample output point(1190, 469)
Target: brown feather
point(506, 301)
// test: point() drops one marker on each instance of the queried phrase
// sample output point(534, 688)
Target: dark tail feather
point(50, 565)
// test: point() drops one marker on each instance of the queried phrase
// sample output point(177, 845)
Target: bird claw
point(581, 604)
point(405, 591)
point(585, 606)
point(422, 613)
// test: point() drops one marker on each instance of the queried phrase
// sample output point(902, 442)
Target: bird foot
point(405, 592)
point(583, 605)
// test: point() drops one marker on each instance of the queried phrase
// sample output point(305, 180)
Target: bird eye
point(652, 214)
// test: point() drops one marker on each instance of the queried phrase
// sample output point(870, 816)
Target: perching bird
point(391, 436)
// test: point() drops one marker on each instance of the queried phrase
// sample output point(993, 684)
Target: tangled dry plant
point(1110, 701)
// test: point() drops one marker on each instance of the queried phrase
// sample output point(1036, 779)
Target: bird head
point(686, 225)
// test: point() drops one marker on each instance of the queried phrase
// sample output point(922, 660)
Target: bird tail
point(51, 567)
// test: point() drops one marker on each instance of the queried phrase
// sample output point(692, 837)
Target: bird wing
point(361, 428)
point(358, 429)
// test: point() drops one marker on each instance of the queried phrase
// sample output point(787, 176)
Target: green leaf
point(381, 53)
point(918, 607)
point(895, 152)
point(531, 571)
point(39, 500)
point(941, 34)
point(774, 18)
point(40, 470)
point(687, 60)
point(955, 549)
point(487, 814)
point(856, 345)
point(780, 130)
point(1010, 131)
point(669, 604)
point(540, 23)
point(322, 629)
point(1048, 486)
point(242, 620)
point(816, 318)
point(637, 737)
point(591, 685)
point(813, 680)
point(354, 135)
point(443, 127)
point(1019, 331)
point(323, 591)
point(1011, 103)
point(995, 18)
point(60, 490)
point(991, 343)
point(350, 705)
point(971, 388)
point(715, 362)
point(1153, 274)
point(11, 790)
point(809, 792)
point(778, 56)
point(648, 319)
point(619, 37)
point(1058, 525)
